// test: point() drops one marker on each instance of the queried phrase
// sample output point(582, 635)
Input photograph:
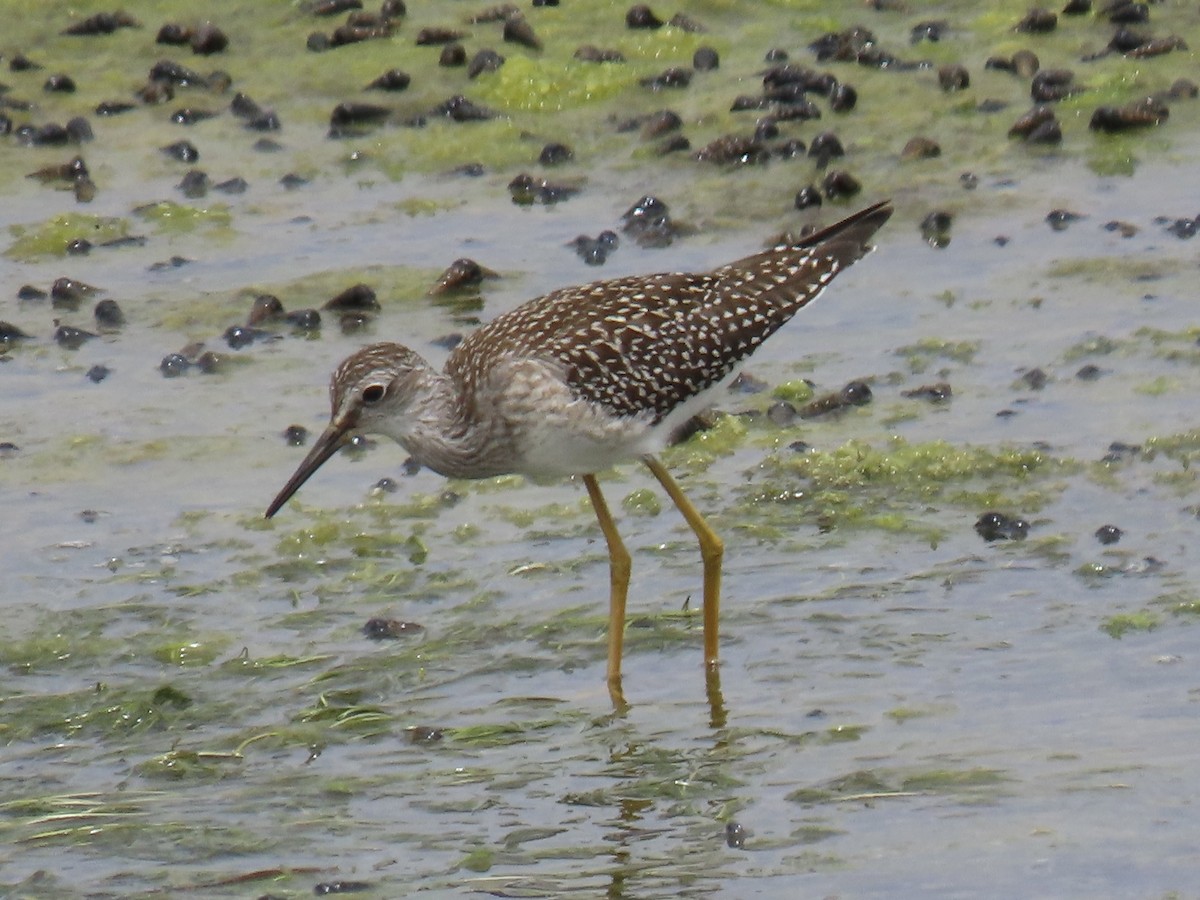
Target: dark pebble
point(209, 363)
point(22, 63)
point(295, 435)
point(588, 53)
point(292, 180)
point(174, 73)
point(954, 77)
point(424, 734)
point(935, 393)
point(932, 31)
point(674, 77)
point(1077, 7)
point(79, 247)
point(30, 292)
point(10, 332)
point(1089, 372)
point(838, 184)
point(462, 273)
point(79, 130)
point(335, 7)
point(1119, 451)
point(351, 118)
point(208, 39)
point(706, 59)
point(735, 836)
point(453, 56)
point(69, 292)
point(792, 148)
point(98, 373)
point(641, 16)
point(808, 196)
point(517, 30)
point(1050, 85)
point(1114, 120)
point(996, 526)
point(843, 98)
point(1035, 378)
point(356, 297)
point(856, 393)
point(782, 413)
point(173, 34)
point(265, 308)
point(1060, 219)
point(322, 888)
point(267, 120)
point(554, 154)
point(459, 109)
point(935, 228)
point(436, 36)
point(102, 23)
point(184, 151)
point(239, 336)
point(190, 116)
point(1037, 21)
point(194, 184)
point(174, 262)
point(59, 84)
point(235, 185)
point(113, 108)
point(921, 148)
point(70, 337)
point(525, 190)
point(1108, 534)
point(484, 61)
point(766, 129)
point(660, 123)
point(1124, 12)
point(824, 147)
point(391, 80)
point(1184, 229)
point(1025, 63)
point(304, 319)
point(378, 629)
point(108, 314)
point(242, 106)
point(733, 149)
point(173, 365)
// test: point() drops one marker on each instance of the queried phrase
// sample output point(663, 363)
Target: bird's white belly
point(556, 434)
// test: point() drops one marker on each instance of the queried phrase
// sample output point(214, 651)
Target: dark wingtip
point(859, 226)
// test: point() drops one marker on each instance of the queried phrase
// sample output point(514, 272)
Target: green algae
point(795, 391)
point(642, 502)
point(543, 85)
point(925, 352)
point(1110, 269)
point(50, 238)
point(170, 217)
point(1118, 625)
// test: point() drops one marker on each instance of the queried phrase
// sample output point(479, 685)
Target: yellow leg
point(619, 565)
point(712, 549)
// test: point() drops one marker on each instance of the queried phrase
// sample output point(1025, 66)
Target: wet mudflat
point(958, 655)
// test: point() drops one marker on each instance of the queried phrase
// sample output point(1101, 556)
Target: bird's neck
point(443, 432)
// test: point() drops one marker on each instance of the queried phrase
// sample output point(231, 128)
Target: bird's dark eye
point(373, 393)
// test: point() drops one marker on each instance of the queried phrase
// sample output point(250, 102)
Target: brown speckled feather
point(645, 344)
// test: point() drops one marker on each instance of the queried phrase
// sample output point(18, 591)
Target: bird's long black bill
point(327, 444)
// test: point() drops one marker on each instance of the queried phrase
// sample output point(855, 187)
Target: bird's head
point(369, 392)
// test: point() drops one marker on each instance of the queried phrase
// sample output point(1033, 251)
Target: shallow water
point(188, 704)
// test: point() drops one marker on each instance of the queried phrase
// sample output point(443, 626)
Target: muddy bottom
point(398, 688)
